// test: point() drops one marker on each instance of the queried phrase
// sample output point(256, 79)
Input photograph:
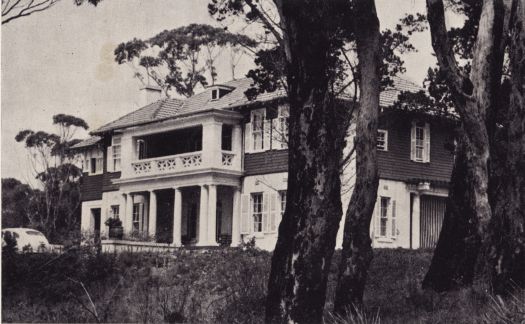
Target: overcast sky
point(61, 61)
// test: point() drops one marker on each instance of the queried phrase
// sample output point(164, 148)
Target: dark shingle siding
point(91, 187)
point(395, 164)
point(107, 184)
point(272, 161)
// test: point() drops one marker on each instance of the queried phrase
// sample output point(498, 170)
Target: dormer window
point(215, 94)
point(219, 91)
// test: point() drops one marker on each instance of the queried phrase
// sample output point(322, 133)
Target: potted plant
point(116, 231)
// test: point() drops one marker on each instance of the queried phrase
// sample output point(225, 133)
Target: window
point(385, 203)
point(382, 140)
point(115, 211)
point(257, 212)
point(226, 138)
point(215, 94)
point(282, 125)
point(420, 142)
point(386, 218)
point(420, 134)
point(141, 149)
point(138, 211)
point(96, 165)
point(282, 196)
point(115, 152)
point(257, 130)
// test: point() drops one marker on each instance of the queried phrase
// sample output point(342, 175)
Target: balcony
point(182, 162)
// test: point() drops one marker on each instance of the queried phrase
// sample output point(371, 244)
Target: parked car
point(27, 239)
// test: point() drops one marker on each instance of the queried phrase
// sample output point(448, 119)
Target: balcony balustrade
point(180, 163)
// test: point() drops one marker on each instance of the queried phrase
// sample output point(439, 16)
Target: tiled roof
point(389, 95)
point(87, 142)
point(158, 110)
point(170, 107)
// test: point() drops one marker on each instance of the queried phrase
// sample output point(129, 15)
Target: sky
point(61, 61)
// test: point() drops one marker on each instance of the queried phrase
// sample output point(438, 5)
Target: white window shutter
point(245, 214)
point(109, 159)
point(394, 229)
point(248, 137)
point(413, 142)
point(267, 131)
point(265, 212)
point(427, 142)
point(273, 212)
point(377, 213)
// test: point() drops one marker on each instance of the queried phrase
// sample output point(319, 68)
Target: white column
point(212, 215)
point(415, 222)
point(152, 226)
point(128, 225)
point(237, 146)
point(203, 217)
point(236, 221)
point(211, 144)
point(177, 217)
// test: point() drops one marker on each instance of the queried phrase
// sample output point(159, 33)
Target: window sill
point(385, 240)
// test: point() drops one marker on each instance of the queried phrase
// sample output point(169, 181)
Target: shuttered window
point(420, 142)
point(257, 212)
point(385, 214)
point(382, 140)
point(138, 217)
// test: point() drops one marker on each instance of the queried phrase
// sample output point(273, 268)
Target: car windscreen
point(36, 233)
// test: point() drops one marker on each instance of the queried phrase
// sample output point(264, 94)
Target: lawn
point(220, 286)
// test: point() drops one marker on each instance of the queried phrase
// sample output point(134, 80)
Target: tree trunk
point(454, 258)
point(474, 98)
point(302, 256)
point(507, 257)
point(357, 249)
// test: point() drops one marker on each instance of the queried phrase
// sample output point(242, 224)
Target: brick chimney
point(149, 94)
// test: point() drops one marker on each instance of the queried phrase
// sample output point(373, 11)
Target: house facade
point(212, 170)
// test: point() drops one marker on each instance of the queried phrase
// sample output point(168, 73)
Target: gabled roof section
point(390, 94)
point(235, 98)
point(173, 108)
point(158, 110)
point(90, 141)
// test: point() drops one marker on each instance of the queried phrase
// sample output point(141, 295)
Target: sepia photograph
point(263, 161)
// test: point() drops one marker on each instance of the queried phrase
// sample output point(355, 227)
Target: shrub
point(506, 310)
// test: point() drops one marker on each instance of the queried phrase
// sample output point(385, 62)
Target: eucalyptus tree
point(479, 79)
point(55, 167)
point(179, 59)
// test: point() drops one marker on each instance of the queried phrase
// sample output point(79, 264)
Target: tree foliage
point(15, 9)
point(55, 205)
point(180, 59)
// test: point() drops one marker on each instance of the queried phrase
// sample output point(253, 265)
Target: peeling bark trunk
point(454, 258)
point(302, 256)
point(507, 257)
point(474, 97)
point(357, 250)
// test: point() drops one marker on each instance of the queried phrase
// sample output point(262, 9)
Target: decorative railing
point(167, 164)
point(179, 163)
point(227, 159)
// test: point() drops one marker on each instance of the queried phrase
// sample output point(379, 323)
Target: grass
point(220, 286)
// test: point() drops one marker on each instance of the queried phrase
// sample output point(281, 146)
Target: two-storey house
point(212, 169)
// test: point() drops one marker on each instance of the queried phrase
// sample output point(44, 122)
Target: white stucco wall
point(268, 183)
point(86, 219)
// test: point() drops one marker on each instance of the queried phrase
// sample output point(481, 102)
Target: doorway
point(164, 230)
point(432, 211)
point(95, 218)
